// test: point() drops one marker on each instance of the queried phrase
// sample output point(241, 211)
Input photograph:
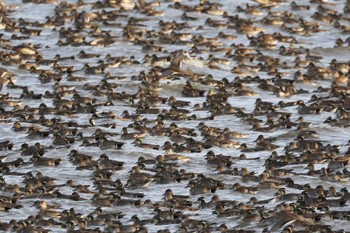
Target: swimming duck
point(283, 219)
point(196, 189)
point(6, 145)
point(171, 156)
point(138, 179)
point(214, 159)
point(284, 196)
point(220, 211)
point(26, 50)
point(40, 161)
point(165, 174)
point(190, 91)
point(138, 142)
point(264, 144)
point(61, 141)
point(47, 210)
point(295, 6)
point(248, 176)
point(244, 189)
point(169, 196)
point(106, 144)
point(104, 162)
point(126, 135)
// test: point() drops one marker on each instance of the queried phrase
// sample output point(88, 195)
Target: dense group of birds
point(174, 116)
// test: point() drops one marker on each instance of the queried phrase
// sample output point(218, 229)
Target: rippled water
point(321, 43)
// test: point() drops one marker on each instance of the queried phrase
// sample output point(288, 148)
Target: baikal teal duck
point(174, 116)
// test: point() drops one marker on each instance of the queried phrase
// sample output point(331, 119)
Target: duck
point(208, 182)
point(4, 226)
point(220, 211)
point(104, 162)
point(61, 141)
point(26, 50)
point(196, 189)
point(40, 161)
point(224, 170)
point(171, 156)
point(225, 143)
point(36, 149)
point(217, 160)
point(165, 174)
point(265, 144)
point(297, 7)
point(127, 136)
point(248, 176)
point(106, 144)
point(311, 57)
point(47, 210)
point(255, 201)
point(244, 148)
point(167, 214)
point(100, 201)
point(138, 222)
point(84, 55)
point(190, 91)
point(8, 203)
point(282, 195)
point(281, 219)
point(6, 145)
point(267, 183)
point(170, 196)
point(143, 161)
point(119, 201)
point(202, 204)
point(138, 142)
point(82, 160)
point(244, 189)
point(4, 74)
point(104, 215)
point(138, 179)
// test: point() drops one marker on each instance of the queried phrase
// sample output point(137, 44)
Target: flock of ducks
point(174, 116)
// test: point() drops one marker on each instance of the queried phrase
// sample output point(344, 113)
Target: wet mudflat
point(174, 116)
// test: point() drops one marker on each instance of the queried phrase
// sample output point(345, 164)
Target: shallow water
point(321, 43)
